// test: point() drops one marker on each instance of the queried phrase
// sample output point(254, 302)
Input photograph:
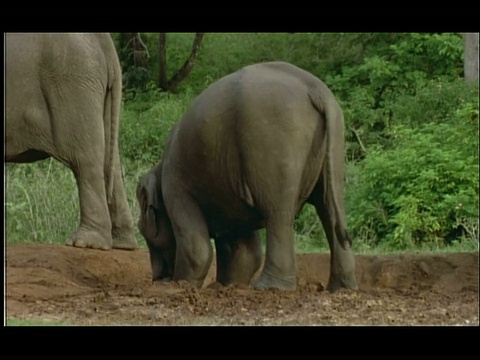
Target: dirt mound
point(60, 283)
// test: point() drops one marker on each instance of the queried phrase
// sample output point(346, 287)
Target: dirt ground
point(90, 287)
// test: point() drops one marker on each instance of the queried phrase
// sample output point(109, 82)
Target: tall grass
point(41, 206)
point(41, 202)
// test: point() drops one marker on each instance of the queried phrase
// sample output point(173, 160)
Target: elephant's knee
point(193, 260)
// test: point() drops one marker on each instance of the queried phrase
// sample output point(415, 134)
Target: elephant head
point(155, 226)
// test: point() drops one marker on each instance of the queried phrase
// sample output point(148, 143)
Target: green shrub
point(369, 92)
point(146, 121)
point(435, 101)
point(424, 188)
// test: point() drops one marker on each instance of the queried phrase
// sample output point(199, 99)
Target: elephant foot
point(266, 281)
point(86, 238)
point(216, 286)
point(342, 282)
point(162, 280)
point(124, 239)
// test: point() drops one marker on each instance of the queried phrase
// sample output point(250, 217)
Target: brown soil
point(77, 286)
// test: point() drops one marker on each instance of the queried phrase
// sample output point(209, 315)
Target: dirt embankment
point(78, 286)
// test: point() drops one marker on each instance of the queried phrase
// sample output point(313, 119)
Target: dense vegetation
point(411, 132)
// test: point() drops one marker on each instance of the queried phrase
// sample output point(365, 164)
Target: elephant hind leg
point(277, 202)
point(83, 151)
point(95, 226)
point(280, 267)
point(123, 235)
point(239, 256)
point(342, 261)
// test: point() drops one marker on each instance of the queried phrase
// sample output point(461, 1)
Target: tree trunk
point(470, 46)
point(137, 50)
point(188, 65)
point(180, 75)
point(162, 59)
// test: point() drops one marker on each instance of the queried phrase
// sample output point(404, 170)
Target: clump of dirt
point(81, 286)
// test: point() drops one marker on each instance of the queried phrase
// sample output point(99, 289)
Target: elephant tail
point(333, 165)
point(112, 117)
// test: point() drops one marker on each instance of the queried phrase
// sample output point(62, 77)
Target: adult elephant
point(63, 100)
point(253, 148)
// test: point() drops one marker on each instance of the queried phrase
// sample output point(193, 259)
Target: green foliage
point(309, 233)
point(146, 121)
point(432, 54)
point(415, 186)
point(436, 101)
point(423, 188)
point(369, 92)
point(134, 75)
point(223, 53)
point(137, 77)
point(41, 202)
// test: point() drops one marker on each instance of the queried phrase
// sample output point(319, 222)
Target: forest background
point(411, 124)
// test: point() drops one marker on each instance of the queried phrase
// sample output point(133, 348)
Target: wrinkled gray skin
point(63, 100)
point(250, 152)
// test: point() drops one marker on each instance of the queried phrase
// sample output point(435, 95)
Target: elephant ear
point(147, 195)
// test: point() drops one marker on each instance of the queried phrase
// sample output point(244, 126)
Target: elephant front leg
point(194, 253)
point(122, 222)
point(239, 256)
point(95, 225)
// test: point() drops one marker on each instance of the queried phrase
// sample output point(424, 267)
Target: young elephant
point(253, 148)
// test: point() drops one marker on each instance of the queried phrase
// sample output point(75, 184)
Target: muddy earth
point(90, 287)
